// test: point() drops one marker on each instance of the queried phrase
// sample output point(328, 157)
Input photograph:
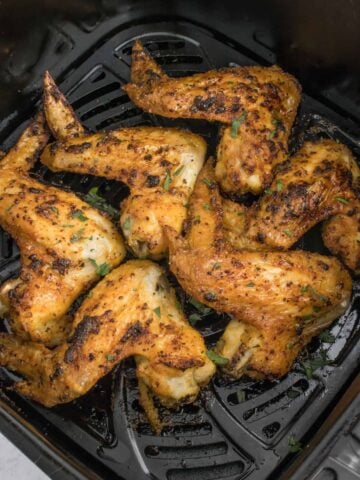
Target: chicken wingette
point(320, 181)
point(278, 300)
point(131, 312)
point(63, 243)
point(257, 106)
point(159, 165)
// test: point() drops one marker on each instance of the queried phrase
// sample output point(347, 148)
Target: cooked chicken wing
point(62, 241)
point(160, 165)
point(319, 182)
point(278, 300)
point(132, 312)
point(257, 104)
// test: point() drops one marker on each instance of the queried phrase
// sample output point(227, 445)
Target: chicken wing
point(160, 166)
point(321, 181)
point(278, 300)
point(257, 104)
point(62, 241)
point(132, 312)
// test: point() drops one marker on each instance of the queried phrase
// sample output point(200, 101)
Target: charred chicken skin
point(62, 241)
point(278, 300)
point(320, 181)
point(159, 165)
point(257, 106)
point(132, 312)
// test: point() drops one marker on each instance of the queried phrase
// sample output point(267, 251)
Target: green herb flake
point(167, 181)
point(179, 170)
point(94, 199)
point(342, 200)
point(9, 208)
point(250, 285)
point(267, 191)
point(194, 318)
point(276, 123)
point(307, 318)
point(289, 233)
point(240, 395)
point(55, 210)
point(326, 337)
point(200, 307)
point(102, 269)
point(235, 125)
point(79, 214)
point(67, 226)
point(216, 266)
point(206, 206)
point(279, 185)
point(208, 182)
point(76, 237)
point(127, 224)
point(157, 311)
point(313, 364)
point(110, 357)
point(294, 444)
point(217, 359)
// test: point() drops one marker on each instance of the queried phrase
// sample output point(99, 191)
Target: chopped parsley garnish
point(314, 294)
point(294, 444)
point(279, 185)
point(208, 182)
point(326, 337)
point(288, 233)
point(311, 365)
point(342, 200)
point(127, 224)
point(276, 124)
point(179, 170)
point(216, 266)
point(241, 397)
point(217, 359)
point(207, 206)
point(251, 284)
point(76, 237)
point(79, 214)
point(267, 191)
point(167, 181)
point(307, 318)
point(67, 226)
point(54, 209)
point(99, 202)
point(110, 357)
point(102, 269)
point(157, 311)
point(236, 124)
point(200, 307)
point(194, 318)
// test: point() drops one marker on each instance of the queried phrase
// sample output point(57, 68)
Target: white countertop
point(14, 465)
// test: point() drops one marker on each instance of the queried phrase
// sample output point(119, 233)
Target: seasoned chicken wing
point(257, 104)
point(160, 166)
point(62, 240)
point(132, 312)
point(320, 181)
point(278, 300)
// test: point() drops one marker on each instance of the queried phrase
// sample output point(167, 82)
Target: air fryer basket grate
point(223, 435)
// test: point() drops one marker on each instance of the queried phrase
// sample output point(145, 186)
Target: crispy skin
point(119, 320)
point(278, 300)
point(262, 101)
point(55, 245)
point(160, 165)
point(320, 181)
point(341, 235)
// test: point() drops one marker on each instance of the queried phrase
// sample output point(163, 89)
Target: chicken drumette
point(160, 166)
point(257, 105)
point(62, 241)
point(132, 312)
point(278, 300)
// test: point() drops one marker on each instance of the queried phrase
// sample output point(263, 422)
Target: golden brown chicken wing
point(160, 165)
point(257, 104)
point(63, 243)
point(278, 300)
point(132, 312)
point(320, 181)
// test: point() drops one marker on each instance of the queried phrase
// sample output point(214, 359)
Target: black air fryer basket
point(87, 45)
